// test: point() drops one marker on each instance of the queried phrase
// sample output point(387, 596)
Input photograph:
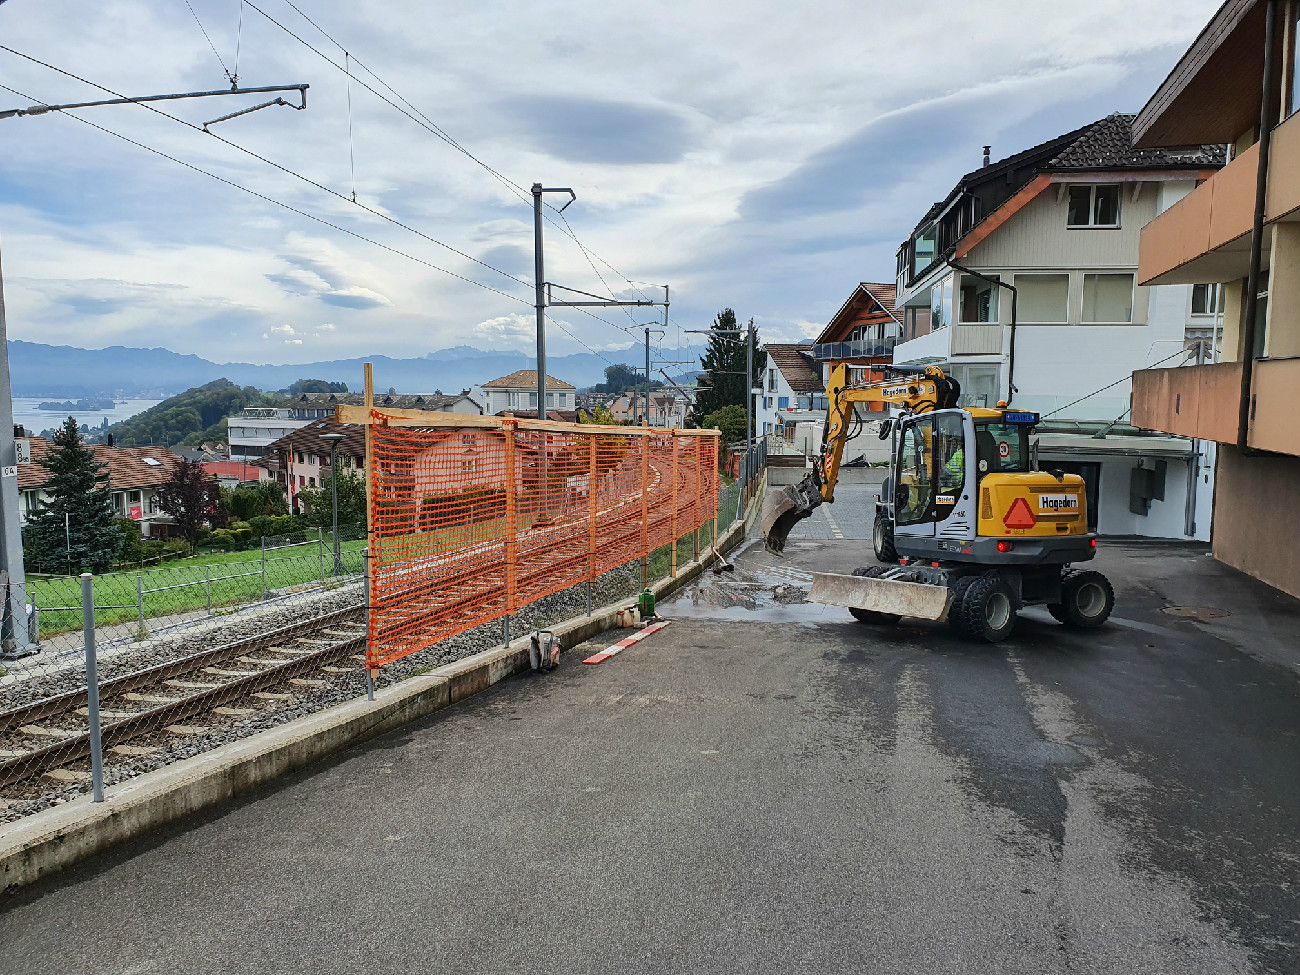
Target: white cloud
point(171, 257)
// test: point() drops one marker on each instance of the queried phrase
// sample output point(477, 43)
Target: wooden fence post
point(508, 430)
point(591, 499)
point(672, 569)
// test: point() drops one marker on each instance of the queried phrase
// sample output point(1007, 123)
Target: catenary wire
point(204, 30)
point(1044, 416)
point(280, 203)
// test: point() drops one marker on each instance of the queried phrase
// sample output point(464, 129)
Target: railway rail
point(300, 644)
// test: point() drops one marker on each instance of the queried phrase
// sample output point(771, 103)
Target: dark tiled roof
point(883, 293)
point(796, 366)
point(308, 439)
point(1108, 144)
point(525, 379)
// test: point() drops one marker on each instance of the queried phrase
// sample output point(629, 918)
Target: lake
point(36, 420)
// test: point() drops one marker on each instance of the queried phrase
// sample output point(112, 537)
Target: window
point(783, 402)
point(950, 457)
point(923, 250)
point(550, 399)
point(941, 304)
point(532, 400)
point(912, 491)
point(311, 481)
point(771, 380)
point(300, 457)
point(1094, 206)
point(1001, 448)
point(1042, 299)
point(467, 439)
point(134, 497)
point(467, 467)
point(1107, 298)
point(979, 385)
point(979, 300)
point(1207, 299)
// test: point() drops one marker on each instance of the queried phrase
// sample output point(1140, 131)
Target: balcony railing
point(859, 349)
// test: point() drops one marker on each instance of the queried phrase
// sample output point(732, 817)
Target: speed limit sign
point(1004, 449)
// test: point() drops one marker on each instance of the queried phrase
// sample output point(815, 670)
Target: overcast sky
point(763, 156)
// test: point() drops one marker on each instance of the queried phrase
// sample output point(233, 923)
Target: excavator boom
point(914, 390)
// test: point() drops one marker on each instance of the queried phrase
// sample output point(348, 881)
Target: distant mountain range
point(61, 371)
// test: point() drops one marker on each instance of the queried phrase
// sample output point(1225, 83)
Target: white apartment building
point(517, 392)
point(1060, 223)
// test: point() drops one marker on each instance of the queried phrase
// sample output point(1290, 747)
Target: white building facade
point(1060, 224)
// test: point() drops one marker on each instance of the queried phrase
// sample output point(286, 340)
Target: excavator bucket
point(787, 507)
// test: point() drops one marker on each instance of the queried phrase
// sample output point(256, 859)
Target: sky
point(763, 156)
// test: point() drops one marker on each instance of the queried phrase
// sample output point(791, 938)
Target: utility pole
point(539, 278)
point(646, 415)
point(749, 388)
point(14, 636)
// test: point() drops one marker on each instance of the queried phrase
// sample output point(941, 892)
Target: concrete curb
point(48, 841)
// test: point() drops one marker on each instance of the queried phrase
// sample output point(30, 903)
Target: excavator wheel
point(955, 619)
point(882, 538)
point(988, 610)
point(866, 615)
point(1087, 599)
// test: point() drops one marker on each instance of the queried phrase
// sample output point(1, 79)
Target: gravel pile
point(23, 800)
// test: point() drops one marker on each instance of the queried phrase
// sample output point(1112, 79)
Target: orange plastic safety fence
point(470, 524)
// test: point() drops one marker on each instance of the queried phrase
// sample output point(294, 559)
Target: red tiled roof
point(796, 366)
point(127, 467)
point(869, 303)
point(308, 439)
point(526, 379)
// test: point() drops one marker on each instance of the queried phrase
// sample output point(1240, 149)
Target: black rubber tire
point(988, 610)
point(866, 615)
point(1087, 599)
point(882, 540)
point(955, 620)
point(1057, 611)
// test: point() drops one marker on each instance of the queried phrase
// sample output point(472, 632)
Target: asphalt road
point(770, 786)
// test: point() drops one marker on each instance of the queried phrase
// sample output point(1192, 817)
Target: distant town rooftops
point(401, 401)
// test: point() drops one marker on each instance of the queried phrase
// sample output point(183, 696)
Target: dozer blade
point(880, 595)
point(786, 508)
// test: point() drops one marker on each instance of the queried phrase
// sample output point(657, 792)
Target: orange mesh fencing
point(471, 523)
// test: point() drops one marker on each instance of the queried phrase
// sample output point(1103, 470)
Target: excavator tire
point(988, 610)
point(882, 539)
point(1087, 599)
point(955, 619)
point(866, 615)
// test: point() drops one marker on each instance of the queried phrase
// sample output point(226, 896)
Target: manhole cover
point(1195, 612)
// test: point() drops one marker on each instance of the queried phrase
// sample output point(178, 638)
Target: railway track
point(150, 701)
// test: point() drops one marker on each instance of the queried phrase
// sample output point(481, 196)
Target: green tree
point(73, 530)
point(599, 414)
point(318, 502)
point(316, 386)
point(251, 501)
point(191, 497)
point(622, 377)
point(730, 420)
point(724, 361)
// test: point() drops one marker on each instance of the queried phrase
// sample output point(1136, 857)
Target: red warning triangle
point(1019, 515)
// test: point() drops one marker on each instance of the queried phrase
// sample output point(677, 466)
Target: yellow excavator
point(967, 528)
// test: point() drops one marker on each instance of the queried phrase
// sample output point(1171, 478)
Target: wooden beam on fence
point(371, 534)
point(672, 570)
point(361, 415)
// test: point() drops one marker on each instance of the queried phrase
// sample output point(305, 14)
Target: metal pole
point(539, 276)
point(647, 377)
point(92, 688)
point(139, 591)
point(588, 597)
point(334, 488)
point(320, 552)
point(263, 566)
point(15, 641)
point(207, 585)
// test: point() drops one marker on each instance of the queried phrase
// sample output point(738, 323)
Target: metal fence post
point(139, 595)
point(672, 556)
point(264, 567)
point(92, 687)
point(207, 585)
point(320, 548)
point(365, 588)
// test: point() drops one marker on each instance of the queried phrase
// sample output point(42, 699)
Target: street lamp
point(333, 440)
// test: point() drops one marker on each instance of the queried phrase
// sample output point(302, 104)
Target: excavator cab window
point(914, 482)
point(1001, 448)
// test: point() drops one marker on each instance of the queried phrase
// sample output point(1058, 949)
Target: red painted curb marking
point(600, 658)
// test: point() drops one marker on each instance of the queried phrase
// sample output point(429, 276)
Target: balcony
point(1206, 235)
point(949, 342)
point(860, 349)
point(1202, 402)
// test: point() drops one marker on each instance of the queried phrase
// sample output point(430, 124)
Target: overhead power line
point(280, 203)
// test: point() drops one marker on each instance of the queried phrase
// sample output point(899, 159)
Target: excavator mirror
point(886, 427)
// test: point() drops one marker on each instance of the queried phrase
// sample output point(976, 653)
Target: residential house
point(862, 333)
point(517, 392)
point(302, 458)
point(792, 387)
point(1059, 223)
point(1243, 398)
point(134, 476)
point(668, 409)
point(252, 431)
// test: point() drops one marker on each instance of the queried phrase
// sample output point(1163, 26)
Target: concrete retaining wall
point(50, 840)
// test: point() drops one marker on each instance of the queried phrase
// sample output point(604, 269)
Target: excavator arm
point(914, 390)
